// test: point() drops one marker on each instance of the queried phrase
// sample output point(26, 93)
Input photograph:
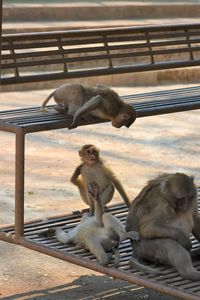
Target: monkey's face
point(125, 118)
point(183, 192)
point(122, 119)
point(90, 156)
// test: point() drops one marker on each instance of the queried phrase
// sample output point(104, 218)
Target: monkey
point(85, 101)
point(93, 168)
point(101, 233)
point(165, 214)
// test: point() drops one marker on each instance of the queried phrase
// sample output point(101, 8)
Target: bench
point(48, 56)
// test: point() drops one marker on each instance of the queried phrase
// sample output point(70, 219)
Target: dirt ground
point(153, 145)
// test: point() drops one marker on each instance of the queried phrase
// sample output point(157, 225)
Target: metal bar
point(75, 41)
point(110, 271)
point(1, 8)
point(100, 72)
point(109, 56)
point(19, 183)
point(96, 31)
point(188, 42)
point(106, 48)
point(7, 127)
point(7, 237)
point(98, 49)
point(15, 64)
point(62, 53)
point(148, 41)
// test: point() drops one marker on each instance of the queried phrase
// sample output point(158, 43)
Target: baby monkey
point(93, 168)
point(101, 234)
point(85, 101)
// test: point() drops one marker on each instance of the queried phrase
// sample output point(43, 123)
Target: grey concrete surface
point(153, 145)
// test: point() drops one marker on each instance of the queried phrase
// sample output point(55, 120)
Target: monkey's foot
point(133, 235)
point(45, 110)
point(117, 258)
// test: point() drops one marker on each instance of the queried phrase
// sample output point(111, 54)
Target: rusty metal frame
point(30, 120)
point(23, 121)
point(19, 183)
point(169, 282)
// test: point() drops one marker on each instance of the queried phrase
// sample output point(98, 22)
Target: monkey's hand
point(73, 125)
point(94, 190)
point(76, 173)
point(133, 235)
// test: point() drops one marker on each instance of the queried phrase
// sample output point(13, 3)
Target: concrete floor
point(153, 145)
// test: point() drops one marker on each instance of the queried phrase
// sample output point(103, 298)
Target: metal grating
point(169, 282)
point(32, 119)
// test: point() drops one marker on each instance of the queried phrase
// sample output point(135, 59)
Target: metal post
point(19, 183)
point(1, 16)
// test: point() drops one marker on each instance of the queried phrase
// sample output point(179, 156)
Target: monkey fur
point(93, 168)
point(165, 214)
point(83, 101)
point(101, 233)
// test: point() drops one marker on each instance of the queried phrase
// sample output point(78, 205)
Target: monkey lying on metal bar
point(101, 233)
point(100, 101)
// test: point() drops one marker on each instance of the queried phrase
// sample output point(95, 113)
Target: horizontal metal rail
point(33, 57)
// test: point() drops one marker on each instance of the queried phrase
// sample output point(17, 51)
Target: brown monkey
point(101, 234)
point(93, 168)
point(100, 101)
point(165, 214)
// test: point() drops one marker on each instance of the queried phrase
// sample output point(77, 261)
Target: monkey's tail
point(134, 263)
point(43, 106)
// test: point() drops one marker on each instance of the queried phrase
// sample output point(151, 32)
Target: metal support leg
point(19, 183)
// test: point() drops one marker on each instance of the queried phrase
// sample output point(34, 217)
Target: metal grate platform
point(169, 282)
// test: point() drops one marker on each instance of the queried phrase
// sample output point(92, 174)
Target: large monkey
point(93, 168)
point(101, 234)
point(99, 101)
point(165, 214)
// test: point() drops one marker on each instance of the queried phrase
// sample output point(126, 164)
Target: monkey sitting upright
point(100, 101)
point(101, 234)
point(93, 168)
point(165, 214)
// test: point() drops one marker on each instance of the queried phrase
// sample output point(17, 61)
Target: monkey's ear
point(80, 153)
point(126, 116)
